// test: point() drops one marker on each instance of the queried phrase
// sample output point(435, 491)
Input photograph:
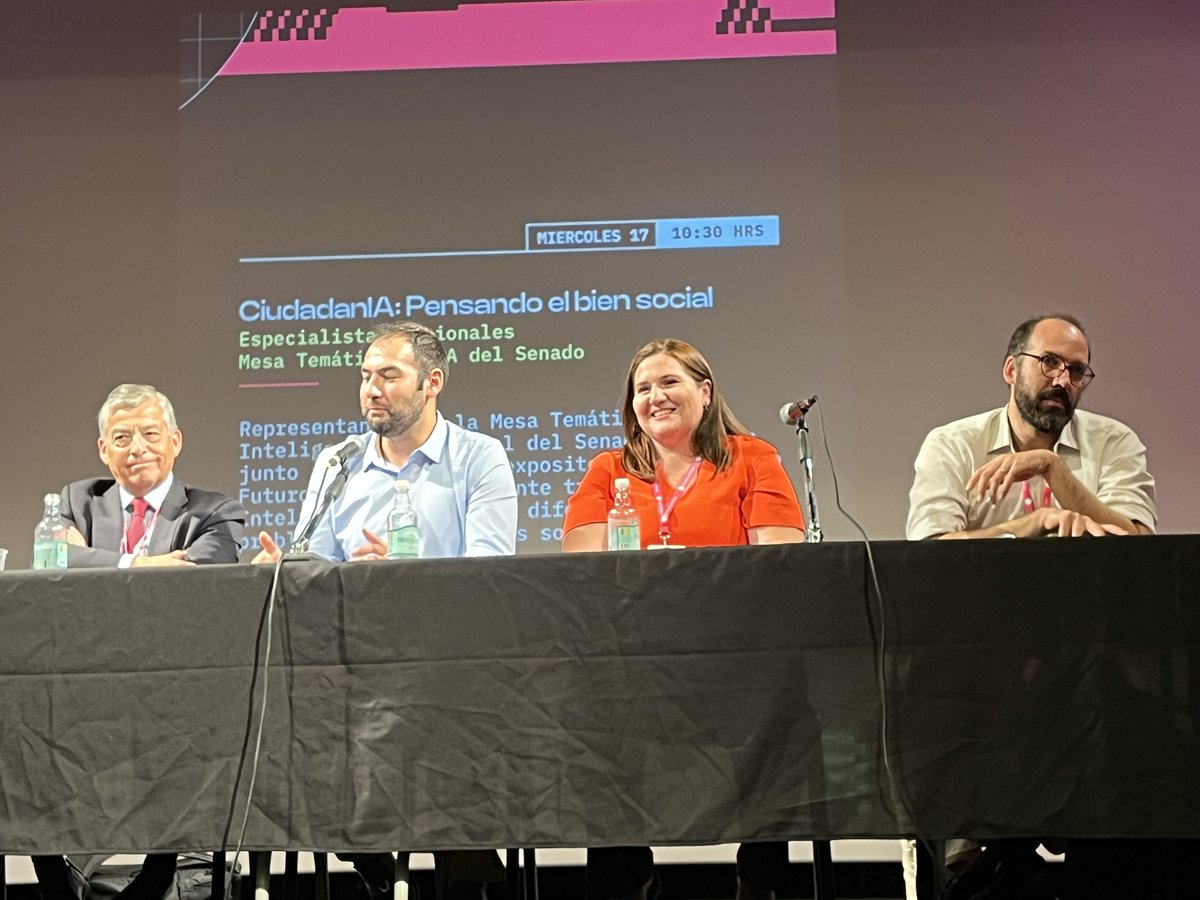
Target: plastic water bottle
point(624, 532)
point(50, 538)
point(402, 524)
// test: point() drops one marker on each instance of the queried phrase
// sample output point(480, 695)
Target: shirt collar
point(155, 497)
point(432, 449)
point(1067, 438)
point(1003, 440)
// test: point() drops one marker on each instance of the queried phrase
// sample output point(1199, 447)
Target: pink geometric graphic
point(543, 34)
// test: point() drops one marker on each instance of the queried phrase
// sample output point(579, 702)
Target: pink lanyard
point(664, 513)
point(1027, 496)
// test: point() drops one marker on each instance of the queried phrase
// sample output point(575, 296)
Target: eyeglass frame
point(1086, 374)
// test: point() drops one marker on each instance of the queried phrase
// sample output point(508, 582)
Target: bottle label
point(624, 537)
point(402, 543)
point(50, 555)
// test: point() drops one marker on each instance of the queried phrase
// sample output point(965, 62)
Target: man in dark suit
point(143, 516)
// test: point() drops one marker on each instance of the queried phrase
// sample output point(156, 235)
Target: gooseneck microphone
point(350, 448)
point(791, 413)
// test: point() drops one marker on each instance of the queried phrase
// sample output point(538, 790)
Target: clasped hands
point(996, 477)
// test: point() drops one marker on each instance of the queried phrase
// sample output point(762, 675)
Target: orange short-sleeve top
point(717, 510)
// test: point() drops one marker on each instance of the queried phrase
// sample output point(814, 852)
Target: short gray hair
point(127, 396)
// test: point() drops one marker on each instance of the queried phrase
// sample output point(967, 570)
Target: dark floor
point(701, 881)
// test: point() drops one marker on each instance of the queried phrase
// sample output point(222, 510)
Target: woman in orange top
point(686, 454)
point(697, 478)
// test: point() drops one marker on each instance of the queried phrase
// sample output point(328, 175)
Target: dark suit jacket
point(206, 524)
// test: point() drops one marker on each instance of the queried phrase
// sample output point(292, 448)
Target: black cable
point(264, 619)
point(879, 645)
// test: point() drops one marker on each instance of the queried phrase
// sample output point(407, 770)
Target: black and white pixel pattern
point(305, 24)
point(742, 16)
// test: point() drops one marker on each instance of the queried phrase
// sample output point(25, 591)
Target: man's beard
point(398, 421)
point(1046, 419)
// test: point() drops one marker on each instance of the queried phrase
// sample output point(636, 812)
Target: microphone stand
point(812, 534)
point(299, 547)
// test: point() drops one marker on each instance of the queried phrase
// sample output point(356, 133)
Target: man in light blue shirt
point(465, 499)
point(462, 488)
point(462, 484)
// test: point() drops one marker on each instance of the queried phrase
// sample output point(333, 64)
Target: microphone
point(791, 413)
point(349, 448)
point(346, 451)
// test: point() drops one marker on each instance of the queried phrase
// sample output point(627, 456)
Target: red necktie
point(137, 525)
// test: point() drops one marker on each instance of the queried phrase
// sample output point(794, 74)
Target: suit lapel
point(170, 517)
point(108, 524)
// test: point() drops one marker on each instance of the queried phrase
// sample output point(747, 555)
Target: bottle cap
point(621, 484)
point(52, 498)
point(401, 485)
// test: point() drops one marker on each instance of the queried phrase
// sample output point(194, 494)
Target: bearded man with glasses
point(1037, 466)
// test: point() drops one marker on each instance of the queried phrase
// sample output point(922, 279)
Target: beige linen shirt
point(1106, 457)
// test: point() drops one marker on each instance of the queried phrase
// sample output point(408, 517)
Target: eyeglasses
point(1054, 365)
